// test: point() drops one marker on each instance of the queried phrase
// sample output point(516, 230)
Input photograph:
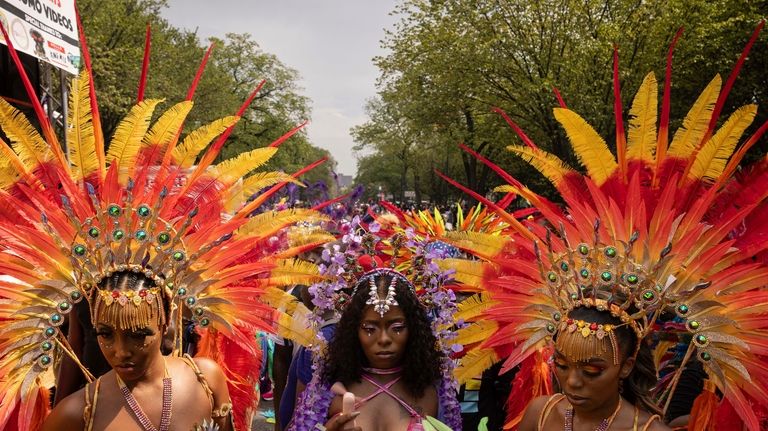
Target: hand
point(338, 388)
point(339, 422)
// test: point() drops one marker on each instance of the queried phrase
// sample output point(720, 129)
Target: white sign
point(46, 29)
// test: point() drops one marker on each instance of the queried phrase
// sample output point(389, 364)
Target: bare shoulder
point(336, 406)
point(656, 425)
point(532, 413)
point(213, 374)
point(68, 414)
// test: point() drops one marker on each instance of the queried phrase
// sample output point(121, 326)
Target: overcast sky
point(330, 42)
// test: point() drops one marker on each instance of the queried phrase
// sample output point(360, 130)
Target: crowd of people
point(146, 288)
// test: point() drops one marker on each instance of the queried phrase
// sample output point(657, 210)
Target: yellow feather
point(25, 140)
point(473, 306)
point(130, 132)
point(10, 166)
point(166, 128)
point(185, 154)
point(267, 223)
point(479, 243)
point(279, 299)
point(239, 166)
point(294, 271)
point(476, 332)
point(296, 326)
point(80, 138)
point(474, 363)
point(548, 164)
point(711, 159)
point(589, 147)
point(641, 143)
point(256, 182)
point(696, 122)
point(469, 272)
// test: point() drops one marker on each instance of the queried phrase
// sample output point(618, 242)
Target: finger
point(345, 418)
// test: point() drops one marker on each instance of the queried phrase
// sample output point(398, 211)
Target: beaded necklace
point(604, 424)
point(165, 415)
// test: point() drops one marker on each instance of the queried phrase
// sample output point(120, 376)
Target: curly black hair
point(421, 363)
point(637, 386)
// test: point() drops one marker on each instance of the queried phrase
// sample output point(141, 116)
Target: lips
point(385, 354)
point(126, 368)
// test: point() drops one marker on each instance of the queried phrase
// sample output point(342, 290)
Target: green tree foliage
point(115, 30)
point(450, 62)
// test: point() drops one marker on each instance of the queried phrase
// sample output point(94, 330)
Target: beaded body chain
point(165, 415)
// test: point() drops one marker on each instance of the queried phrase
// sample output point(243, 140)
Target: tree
point(450, 62)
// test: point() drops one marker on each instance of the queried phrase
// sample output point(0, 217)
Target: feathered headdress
point(659, 228)
point(151, 204)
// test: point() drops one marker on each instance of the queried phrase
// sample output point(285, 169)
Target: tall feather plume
point(256, 182)
point(548, 164)
point(98, 133)
point(166, 128)
point(713, 156)
point(25, 140)
point(590, 148)
point(267, 223)
point(237, 167)
point(474, 363)
point(696, 121)
point(130, 132)
point(144, 64)
point(186, 154)
point(80, 139)
point(642, 121)
point(618, 111)
point(663, 138)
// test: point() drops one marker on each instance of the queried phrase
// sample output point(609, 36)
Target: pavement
point(259, 421)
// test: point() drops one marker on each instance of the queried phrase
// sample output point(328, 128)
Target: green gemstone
point(178, 256)
point(76, 295)
point(610, 252)
point(64, 306)
point(701, 339)
point(45, 360)
point(144, 211)
point(199, 311)
point(141, 235)
point(557, 316)
point(574, 296)
point(163, 238)
point(682, 309)
point(191, 300)
point(118, 234)
point(583, 249)
point(169, 284)
point(694, 324)
point(563, 266)
point(648, 296)
point(182, 291)
point(93, 232)
point(606, 276)
point(552, 277)
point(584, 273)
point(550, 327)
point(79, 250)
point(114, 210)
point(50, 332)
point(56, 318)
point(632, 279)
point(705, 356)
point(205, 322)
point(46, 346)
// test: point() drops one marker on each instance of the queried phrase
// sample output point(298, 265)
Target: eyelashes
point(588, 371)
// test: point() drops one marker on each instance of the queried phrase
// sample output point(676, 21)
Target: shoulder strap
point(550, 404)
point(650, 421)
point(89, 409)
point(385, 388)
point(200, 377)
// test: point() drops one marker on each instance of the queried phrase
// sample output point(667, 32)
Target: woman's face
point(383, 339)
point(590, 384)
point(129, 352)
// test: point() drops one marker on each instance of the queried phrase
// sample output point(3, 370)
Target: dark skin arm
point(68, 414)
point(532, 412)
point(218, 384)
